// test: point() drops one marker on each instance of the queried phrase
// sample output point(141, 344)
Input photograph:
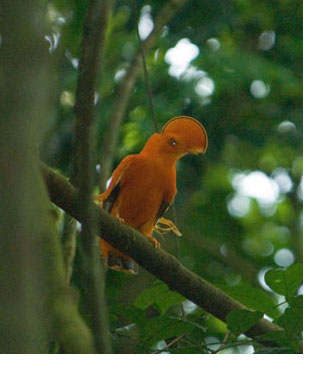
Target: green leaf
point(162, 328)
point(159, 295)
point(285, 282)
point(292, 319)
point(253, 298)
point(239, 321)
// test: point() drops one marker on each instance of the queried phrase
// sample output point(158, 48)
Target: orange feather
point(144, 185)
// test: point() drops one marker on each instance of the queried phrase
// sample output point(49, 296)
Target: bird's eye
point(172, 142)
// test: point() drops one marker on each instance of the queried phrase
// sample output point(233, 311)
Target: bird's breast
point(142, 190)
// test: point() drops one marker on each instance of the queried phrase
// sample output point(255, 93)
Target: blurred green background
point(236, 66)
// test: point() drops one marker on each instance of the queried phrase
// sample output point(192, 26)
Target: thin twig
point(125, 90)
point(145, 69)
point(154, 117)
point(223, 343)
point(233, 344)
point(171, 343)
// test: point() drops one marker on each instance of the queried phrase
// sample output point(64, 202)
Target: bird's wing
point(109, 201)
point(109, 196)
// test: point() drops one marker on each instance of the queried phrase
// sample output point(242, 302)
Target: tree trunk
point(35, 305)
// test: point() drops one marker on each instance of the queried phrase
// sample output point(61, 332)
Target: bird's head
point(185, 135)
point(179, 136)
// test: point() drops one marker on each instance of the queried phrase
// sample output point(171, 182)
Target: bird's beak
point(194, 151)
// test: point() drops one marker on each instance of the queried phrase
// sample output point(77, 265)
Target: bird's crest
point(189, 128)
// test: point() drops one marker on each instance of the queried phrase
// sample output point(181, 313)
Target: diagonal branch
point(162, 265)
point(124, 93)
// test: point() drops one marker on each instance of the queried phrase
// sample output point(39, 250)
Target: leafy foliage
point(286, 282)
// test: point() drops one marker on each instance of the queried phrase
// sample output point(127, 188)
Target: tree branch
point(124, 93)
point(83, 176)
point(162, 265)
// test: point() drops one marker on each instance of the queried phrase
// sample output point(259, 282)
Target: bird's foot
point(164, 225)
point(154, 241)
point(122, 221)
point(118, 264)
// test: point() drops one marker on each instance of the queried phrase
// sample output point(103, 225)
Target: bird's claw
point(154, 241)
point(122, 221)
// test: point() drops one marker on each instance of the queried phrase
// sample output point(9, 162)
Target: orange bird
point(143, 186)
